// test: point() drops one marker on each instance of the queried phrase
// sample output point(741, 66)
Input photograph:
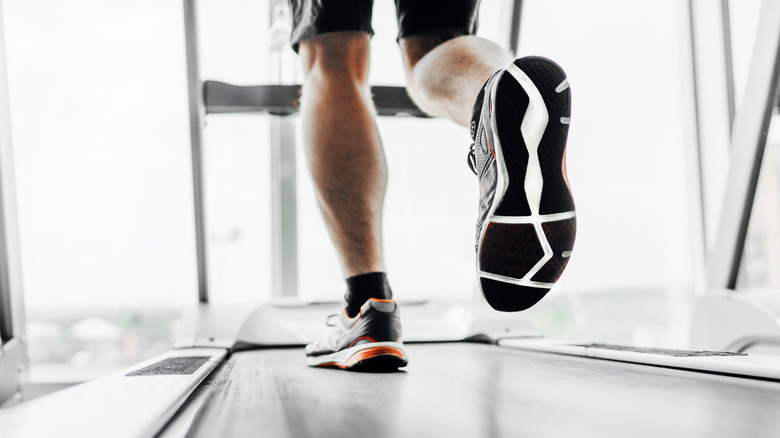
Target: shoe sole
point(373, 356)
point(530, 228)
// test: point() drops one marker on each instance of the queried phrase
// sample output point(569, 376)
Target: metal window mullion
point(284, 221)
point(694, 154)
point(728, 60)
point(13, 350)
point(509, 28)
point(284, 204)
point(713, 123)
point(514, 27)
point(197, 119)
point(11, 304)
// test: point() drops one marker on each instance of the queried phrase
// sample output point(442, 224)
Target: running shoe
point(526, 223)
point(371, 341)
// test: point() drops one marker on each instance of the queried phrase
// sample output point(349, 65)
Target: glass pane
point(102, 165)
point(760, 265)
point(744, 15)
point(105, 192)
point(237, 161)
point(761, 259)
point(234, 46)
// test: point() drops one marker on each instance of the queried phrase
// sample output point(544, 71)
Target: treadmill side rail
point(135, 402)
point(724, 363)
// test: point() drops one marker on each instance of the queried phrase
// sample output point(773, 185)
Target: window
point(101, 139)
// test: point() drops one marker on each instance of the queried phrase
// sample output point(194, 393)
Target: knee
point(337, 56)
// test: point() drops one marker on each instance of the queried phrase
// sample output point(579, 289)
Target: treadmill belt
point(477, 390)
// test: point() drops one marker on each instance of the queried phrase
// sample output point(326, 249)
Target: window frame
point(13, 357)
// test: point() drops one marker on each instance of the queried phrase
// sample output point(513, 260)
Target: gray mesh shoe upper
point(482, 158)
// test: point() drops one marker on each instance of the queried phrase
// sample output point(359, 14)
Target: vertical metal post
point(697, 123)
point(13, 356)
point(284, 208)
point(514, 27)
point(693, 140)
point(710, 57)
point(284, 221)
point(728, 60)
point(197, 113)
point(751, 126)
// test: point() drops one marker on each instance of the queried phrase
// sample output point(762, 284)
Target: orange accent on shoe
point(491, 148)
point(368, 353)
point(563, 169)
point(380, 300)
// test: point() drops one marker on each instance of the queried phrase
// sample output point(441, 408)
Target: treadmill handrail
point(282, 100)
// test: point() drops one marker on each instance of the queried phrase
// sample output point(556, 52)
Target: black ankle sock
point(364, 286)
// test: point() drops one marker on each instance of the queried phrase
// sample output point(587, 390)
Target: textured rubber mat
point(171, 366)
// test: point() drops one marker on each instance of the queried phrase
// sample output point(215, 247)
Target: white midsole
point(530, 219)
point(518, 281)
point(344, 355)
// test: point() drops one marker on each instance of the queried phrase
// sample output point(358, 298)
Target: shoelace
point(330, 321)
point(472, 159)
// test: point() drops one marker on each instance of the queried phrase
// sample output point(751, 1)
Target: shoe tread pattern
point(508, 297)
point(560, 236)
point(510, 250)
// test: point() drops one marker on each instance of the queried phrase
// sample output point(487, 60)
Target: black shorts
point(316, 17)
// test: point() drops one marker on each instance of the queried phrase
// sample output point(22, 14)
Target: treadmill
point(493, 377)
point(240, 371)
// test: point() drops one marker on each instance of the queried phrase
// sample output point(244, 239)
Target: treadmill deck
point(462, 389)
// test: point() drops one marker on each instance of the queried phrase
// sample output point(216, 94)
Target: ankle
point(361, 288)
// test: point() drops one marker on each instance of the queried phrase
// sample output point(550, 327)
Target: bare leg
point(343, 146)
point(445, 75)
